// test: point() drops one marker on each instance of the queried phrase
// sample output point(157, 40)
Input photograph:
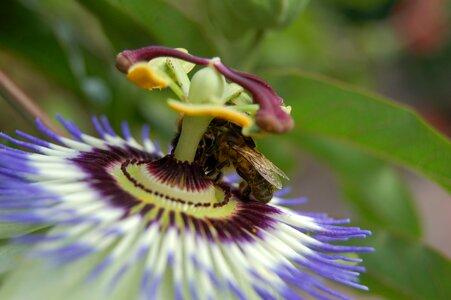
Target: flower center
point(170, 183)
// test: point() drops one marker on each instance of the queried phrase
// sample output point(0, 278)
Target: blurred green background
point(352, 152)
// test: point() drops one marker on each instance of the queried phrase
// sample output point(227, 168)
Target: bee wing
point(264, 166)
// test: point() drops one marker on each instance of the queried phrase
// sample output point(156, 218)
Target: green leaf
point(282, 154)
point(121, 28)
point(403, 268)
point(250, 14)
point(369, 122)
point(22, 32)
point(167, 25)
point(49, 35)
point(374, 189)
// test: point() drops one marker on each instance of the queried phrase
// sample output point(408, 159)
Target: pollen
point(145, 77)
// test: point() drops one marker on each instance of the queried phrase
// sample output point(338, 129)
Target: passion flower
point(124, 220)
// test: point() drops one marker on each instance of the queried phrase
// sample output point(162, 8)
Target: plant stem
point(193, 128)
point(28, 108)
point(253, 49)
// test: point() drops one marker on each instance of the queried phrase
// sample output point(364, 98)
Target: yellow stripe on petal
point(217, 111)
point(145, 77)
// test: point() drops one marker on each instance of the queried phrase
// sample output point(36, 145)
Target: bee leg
point(215, 175)
point(245, 190)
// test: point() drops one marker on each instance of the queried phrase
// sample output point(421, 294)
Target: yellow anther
point(217, 111)
point(145, 77)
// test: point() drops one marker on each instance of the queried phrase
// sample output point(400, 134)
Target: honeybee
point(224, 145)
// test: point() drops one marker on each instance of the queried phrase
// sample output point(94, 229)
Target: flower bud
point(235, 16)
point(207, 86)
